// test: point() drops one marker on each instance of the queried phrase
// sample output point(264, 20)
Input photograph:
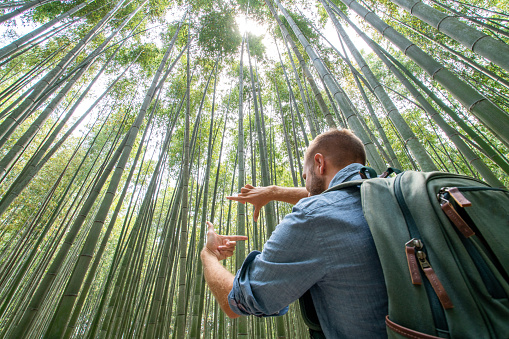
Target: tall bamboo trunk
point(40, 158)
point(373, 156)
point(308, 75)
point(305, 103)
point(241, 211)
point(391, 158)
point(32, 101)
point(285, 133)
point(488, 113)
point(293, 100)
point(39, 295)
point(91, 275)
point(264, 159)
point(121, 155)
point(22, 9)
point(451, 133)
point(12, 47)
point(182, 300)
point(22, 142)
point(464, 59)
point(406, 132)
point(471, 38)
point(73, 287)
point(198, 294)
point(30, 257)
point(485, 147)
point(472, 19)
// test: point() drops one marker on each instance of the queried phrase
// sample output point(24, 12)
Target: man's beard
point(317, 185)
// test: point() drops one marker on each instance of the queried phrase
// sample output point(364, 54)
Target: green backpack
point(443, 242)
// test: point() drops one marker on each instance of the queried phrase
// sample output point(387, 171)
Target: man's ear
point(320, 163)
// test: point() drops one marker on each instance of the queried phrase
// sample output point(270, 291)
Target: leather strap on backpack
point(406, 332)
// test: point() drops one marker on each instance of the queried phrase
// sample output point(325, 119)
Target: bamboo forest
point(124, 124)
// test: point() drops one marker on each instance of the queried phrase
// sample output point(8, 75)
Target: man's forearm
point(291, 195)
point(219, 280)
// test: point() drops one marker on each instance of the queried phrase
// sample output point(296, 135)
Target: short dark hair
point(340, 146)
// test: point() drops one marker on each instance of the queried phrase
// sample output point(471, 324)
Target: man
point(324, 246)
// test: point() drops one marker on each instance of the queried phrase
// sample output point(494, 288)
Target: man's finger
point(236, 237)
point(246, 189)
point(229, 246)
point(226, 253)
point(210, 226)
point(256, 213)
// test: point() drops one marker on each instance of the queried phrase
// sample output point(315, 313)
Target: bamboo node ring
point(436, 71)
point(472, 160)
point(383, 30)
point(441, 20)
point(407, 140)
point(406, 49)
point(473, 45)
point(412, 8)
point(471, 107)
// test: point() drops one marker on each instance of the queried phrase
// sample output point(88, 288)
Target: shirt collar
point(348, 173)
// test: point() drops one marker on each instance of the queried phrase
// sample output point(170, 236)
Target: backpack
point(443, 243)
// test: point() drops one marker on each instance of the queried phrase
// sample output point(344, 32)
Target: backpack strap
point(371, 172)
point(308, 312)
point(389, 171)
point(345, 185)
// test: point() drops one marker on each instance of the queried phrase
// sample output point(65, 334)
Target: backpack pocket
point(479, 230)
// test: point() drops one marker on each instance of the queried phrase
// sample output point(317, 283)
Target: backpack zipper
point(415, 249)
point(435, 303)
point(455, 193)
point(443, 197)
point(490, 281)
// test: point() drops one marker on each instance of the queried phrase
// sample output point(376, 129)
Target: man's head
point(327, 154)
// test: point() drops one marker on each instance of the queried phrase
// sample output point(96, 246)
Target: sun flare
point(247, 25)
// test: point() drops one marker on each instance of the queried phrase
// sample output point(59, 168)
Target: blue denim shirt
point(324, 246)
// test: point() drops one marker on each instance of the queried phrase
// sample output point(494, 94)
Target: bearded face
point(316, 184)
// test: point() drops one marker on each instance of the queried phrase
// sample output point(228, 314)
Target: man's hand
point(219, 279)
point(257, 196)
point(222, 246)
point(261, 196)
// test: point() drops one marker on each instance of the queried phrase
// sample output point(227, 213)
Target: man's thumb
point(256, 213)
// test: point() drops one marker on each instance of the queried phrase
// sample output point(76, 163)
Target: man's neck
point(330, 175)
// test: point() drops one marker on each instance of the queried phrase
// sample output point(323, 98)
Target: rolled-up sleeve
point(241, 298)
point(289, 265)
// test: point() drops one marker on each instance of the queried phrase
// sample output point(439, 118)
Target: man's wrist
point(207, 253)
point(274, 192)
